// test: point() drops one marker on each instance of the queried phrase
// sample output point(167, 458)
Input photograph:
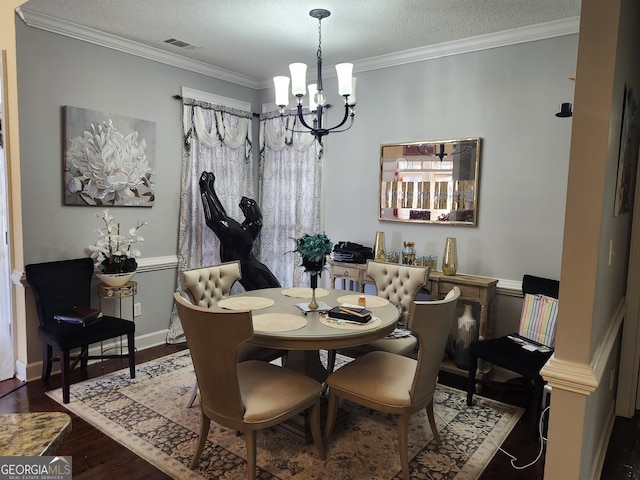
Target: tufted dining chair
point(395, 384)
point(399, 284)
point(205, 286)
point(245, 396)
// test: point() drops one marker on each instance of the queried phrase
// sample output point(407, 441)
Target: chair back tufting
point(398, 283)
point(207, 285)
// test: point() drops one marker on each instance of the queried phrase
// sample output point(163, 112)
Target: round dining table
point(279, 323)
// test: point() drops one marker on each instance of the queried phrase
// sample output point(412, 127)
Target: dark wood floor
point(96, 456)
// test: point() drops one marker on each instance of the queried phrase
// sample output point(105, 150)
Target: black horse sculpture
point(236, 239)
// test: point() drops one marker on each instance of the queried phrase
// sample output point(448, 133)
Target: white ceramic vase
point(467, 333)
point(115, 279)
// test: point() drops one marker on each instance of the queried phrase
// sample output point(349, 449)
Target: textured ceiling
point(259, 38)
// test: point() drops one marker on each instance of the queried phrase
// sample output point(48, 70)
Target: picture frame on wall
point(108, 159)
point(628, 157)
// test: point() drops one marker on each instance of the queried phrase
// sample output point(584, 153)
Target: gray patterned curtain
point(216, 139)
point(290, 179)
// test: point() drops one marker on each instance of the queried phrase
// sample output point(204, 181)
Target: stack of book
point(350, 314)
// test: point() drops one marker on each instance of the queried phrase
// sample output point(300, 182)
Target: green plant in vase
point(313, 250)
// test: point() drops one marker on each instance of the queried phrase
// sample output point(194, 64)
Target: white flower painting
point(108, 159)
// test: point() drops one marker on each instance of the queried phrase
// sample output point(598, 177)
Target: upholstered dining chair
point(245, 396)
point(205, 286)
point(395, 384)
point(399, 284)
point(537, 319)
point(57, 287)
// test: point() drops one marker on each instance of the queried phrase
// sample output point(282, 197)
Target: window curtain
point(290, 176)
point(216, 139)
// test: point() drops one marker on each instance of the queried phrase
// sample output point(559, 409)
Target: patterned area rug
point(149, 416)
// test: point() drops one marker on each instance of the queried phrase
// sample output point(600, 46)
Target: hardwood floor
point(96, 456)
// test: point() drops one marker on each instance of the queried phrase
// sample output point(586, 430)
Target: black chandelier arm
point(301, 117)
point(348, 112)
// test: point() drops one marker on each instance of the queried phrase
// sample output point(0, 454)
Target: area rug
point(148, 415)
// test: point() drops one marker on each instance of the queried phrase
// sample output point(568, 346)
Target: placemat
point(278, 322)
point(372, 300)
point(330, 322)
point(245, 303)
point(304, 292)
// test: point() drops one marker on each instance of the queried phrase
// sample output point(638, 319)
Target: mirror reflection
point(433, 181)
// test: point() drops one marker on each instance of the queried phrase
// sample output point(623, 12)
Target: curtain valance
point(227, 125)
point(277, 132)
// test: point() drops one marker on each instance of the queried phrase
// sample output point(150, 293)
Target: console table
point(473, 289)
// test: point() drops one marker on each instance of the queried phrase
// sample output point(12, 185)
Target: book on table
point(81, 316)
point(350, 314)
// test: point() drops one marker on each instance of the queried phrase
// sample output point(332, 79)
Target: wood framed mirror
point(434, 181)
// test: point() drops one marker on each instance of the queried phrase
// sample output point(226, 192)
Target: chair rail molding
point(579, 377)
point(144, 265)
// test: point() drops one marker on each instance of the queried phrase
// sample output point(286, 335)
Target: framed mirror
point(434, 181)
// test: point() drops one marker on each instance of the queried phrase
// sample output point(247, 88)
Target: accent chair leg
point(47, 360)
point(194, 393)
point(65, 373)
point(471, 385)
point(250, 436)
point(316, 429)
point(403, 444)
point(132, 354)
point(432, 423)
point(204, 433)
point(332, 412)
point(84, 353)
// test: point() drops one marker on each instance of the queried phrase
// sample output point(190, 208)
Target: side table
point(107, 292)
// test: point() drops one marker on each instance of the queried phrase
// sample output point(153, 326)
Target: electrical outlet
point(137, 309)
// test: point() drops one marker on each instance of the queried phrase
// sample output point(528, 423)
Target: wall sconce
point(565, 110)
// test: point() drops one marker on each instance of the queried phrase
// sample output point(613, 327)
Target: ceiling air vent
point(179, 43)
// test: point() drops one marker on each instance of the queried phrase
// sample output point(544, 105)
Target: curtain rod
point(179, 97)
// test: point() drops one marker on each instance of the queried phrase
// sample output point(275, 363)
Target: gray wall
point(54, 71)
point(508, 96)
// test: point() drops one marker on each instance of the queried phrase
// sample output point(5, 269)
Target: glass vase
point(450, 257)
point(313, 304)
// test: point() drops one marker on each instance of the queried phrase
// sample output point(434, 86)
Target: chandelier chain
point(319, 53)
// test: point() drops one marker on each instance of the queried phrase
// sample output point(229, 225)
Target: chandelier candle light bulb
point(317, 97)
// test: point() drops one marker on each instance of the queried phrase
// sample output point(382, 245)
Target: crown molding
point(568, 26)
point(90, 35)
point(532, 33)
point(514, 36)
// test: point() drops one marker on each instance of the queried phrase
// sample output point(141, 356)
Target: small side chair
point(395, 384)
point(245, 396)
point(205, 287)
point(399, 284)
point(61, 285)
point(541, 295)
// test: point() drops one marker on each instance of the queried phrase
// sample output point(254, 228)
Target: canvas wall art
point(108, 159)
point(628, 158)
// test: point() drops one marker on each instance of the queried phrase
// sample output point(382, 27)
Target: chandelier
point(317, 98)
